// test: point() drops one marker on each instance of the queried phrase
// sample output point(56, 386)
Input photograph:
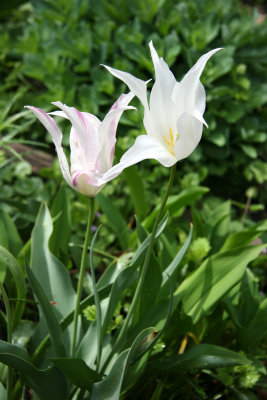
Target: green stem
point(9, 337)
point(81, 275)
point(144, 270)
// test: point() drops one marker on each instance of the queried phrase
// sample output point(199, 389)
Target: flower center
point(170, 142)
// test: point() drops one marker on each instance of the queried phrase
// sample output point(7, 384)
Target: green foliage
point(53, 51)
point(63, 64)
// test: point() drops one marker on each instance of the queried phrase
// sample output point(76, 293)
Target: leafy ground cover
point(52, 51)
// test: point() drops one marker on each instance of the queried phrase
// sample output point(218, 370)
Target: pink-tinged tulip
point(173, 117)
point(92, 144)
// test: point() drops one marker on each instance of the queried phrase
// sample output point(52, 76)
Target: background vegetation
point(52, 50)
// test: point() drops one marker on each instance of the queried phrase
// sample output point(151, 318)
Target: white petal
point(195, 72)
point(164, 76)
point(56, 134)
point(145, 147)
point(137, 86)
point(163, 112)
point(190, 131)
point(190, 90)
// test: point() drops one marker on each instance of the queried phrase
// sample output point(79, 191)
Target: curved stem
point(9, 336)
point(144, 270)
point(81, 275)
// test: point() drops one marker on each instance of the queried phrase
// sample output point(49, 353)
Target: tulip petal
point(190, 95)
point(145, 147)
point(137, 86)
point(160, 98)
point(87, 135)
point(92, 118)
point(190, 130)
point(107, 131)
point(56, 134)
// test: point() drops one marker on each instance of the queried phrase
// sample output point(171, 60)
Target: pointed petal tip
point(57, 103)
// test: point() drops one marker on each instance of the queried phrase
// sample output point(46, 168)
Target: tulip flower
point(173, 119)
point(92, 144)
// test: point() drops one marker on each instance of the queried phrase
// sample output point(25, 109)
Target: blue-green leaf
point(47, 384)
point(49, 313)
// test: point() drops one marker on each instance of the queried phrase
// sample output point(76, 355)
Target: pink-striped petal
point(108, 128)
point(87, 135)
point(56, 134)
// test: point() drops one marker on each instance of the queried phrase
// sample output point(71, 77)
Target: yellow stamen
point(166, 140)
point(171, 135)
point(170, 142)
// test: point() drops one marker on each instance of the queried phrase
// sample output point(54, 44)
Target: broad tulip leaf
point(244, 237)
point(47, 384)
point(110, 387)
point(115, 219)
point(251, 335)
point(62, 226)
point(50, 272)
point(77, 372)
point(19, 279)
point(177, 202)
point(96, 298)
point(9, 237)
point(155, 335)
point(122, 281)
point(198, 357)
point(66, 321)
point(128, 259)
point(54, 277)
point(49, 313)
point(114, 269)
point(173, 269)
point(213, 279)
point(146, 242)
point(137, 191)
point(2, 392)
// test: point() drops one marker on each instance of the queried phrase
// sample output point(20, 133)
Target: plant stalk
point(81, 275)
point(144, 270)
point(9, 337)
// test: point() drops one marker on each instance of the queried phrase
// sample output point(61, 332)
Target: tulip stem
point(81, 275)
point(144, 270)
point(9, 337)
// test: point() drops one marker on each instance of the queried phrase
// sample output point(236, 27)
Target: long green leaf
point(156, 335)
point(77, 372)
point(198, 357)
point(213, 279)
point(62, 226)
point(145, 243)
point(9, 237)
point(245, 236)
point(96, 298)
point(66, 321)
point(19, 279)
point(137, 191)
point(49, 313)
point(173, 267)
point(177, 202)
point(54, 277)
point(115, 219)
point(47, 384)
point(122, 281)
point(110, 387)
